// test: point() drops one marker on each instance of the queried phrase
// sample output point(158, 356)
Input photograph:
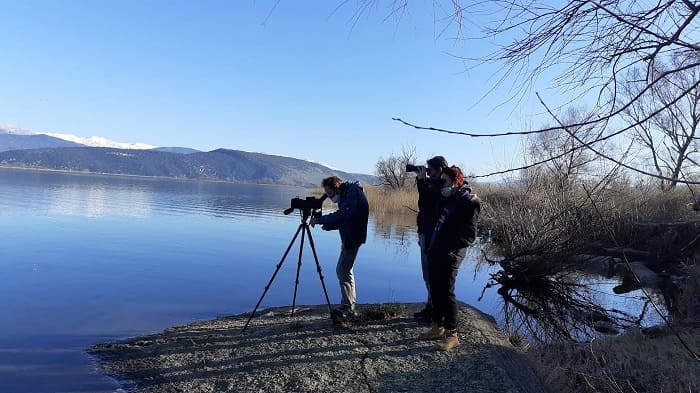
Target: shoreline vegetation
point(545, 234)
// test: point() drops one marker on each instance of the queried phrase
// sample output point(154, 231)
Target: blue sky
point(293, 78)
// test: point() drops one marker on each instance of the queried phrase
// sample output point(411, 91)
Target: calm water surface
point(87, 259)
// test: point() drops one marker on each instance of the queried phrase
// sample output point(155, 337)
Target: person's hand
point(422, 172)
point(314, 221)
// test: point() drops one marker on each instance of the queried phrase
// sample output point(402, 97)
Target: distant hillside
point(20, 142)
point(221, 164)
point(179, 150)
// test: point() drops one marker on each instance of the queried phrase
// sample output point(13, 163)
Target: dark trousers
point(443, 275)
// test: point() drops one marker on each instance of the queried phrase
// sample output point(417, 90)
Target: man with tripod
point(351, 221)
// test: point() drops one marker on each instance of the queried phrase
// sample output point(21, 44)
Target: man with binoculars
point(429, 183)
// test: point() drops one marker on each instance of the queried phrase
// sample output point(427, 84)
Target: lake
point(89, 258)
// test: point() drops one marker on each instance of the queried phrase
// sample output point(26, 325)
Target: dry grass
point(535, 219)
point(539, 222)
point(688, 299)
point(384, 201)
point(383, 311)
point(545, 221)
point(536, 226)
point(651, 360)
point(628, 363)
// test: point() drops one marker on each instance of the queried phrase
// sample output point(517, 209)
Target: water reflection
point(94, 196)
point(547, 302)
point(96, 201)
point(543, 301)
point(398, 231)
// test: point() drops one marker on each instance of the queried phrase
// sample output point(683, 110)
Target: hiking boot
point(348, 312)
point(434, 333)
point(449, 341)
point(342, 314)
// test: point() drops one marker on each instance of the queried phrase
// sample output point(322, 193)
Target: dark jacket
point(428, 198)
point(456, 224)
point(351, 217)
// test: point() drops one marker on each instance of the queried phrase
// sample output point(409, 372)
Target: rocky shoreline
point(377, 352)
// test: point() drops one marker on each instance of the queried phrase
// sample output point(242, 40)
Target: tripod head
point(309, 207)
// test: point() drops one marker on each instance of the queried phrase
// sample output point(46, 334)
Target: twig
point(644, 290)
point(624, 255)
point(601, 154)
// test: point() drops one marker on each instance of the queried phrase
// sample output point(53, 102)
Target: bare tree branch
point(601, 154)
point(391, 171)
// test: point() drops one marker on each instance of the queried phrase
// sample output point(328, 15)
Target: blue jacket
point(351, 217)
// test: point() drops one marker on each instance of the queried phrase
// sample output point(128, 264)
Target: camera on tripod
point(310, 206)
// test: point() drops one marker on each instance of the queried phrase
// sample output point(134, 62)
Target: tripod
point(305, 231)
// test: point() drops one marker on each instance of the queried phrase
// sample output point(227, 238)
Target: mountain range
point(42, 151)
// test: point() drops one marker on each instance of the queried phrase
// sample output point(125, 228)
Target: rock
point(307, 353)
point(655, 331)
point(626, 252)
point(637, 273)
point(597, 316)
point(605, 327)
point(596, 264)
point(626, 287)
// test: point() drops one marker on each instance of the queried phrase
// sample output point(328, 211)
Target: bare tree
point(391, 171)
point(585, 42)
point(570, 163)
point(585, 47)
point(669, 139)
point(593, 40)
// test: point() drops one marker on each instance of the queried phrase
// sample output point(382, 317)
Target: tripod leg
point(279, 265)
point(318, 267)
point(296, 283)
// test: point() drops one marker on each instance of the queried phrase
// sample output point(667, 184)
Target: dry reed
point(384, 201)
point(632, 362)
point(536, 226)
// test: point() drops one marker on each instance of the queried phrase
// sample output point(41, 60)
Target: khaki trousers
point(346, 277)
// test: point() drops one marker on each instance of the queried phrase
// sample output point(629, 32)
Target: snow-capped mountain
point(92, 141)
point(98, 141)
point(8, 129)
